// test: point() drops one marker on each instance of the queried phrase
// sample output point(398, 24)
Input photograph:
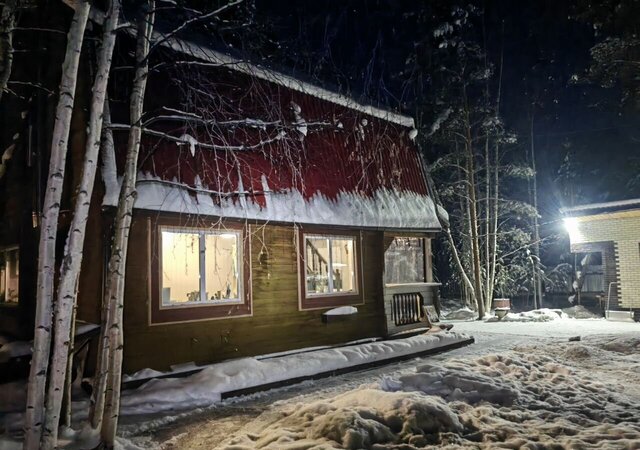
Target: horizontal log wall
point(277, 323)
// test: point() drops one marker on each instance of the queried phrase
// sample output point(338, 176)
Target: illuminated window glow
point(330, 265)
point(200, 266)
point(9, 274)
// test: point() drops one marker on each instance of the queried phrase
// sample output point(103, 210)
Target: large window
point(404, 261)
point(9, 274)
point(330, 272)
point(200, 267)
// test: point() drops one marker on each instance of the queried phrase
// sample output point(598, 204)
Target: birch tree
point(7, 24)
point(114, 292)
point(64, 312)
point(34, 416)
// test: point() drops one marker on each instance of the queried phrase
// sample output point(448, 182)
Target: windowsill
point(200, 304)
point(9, 304)
point(330, 301)
point(331, 295)
point(419, 284)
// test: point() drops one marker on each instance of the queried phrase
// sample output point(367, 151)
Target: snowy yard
point(523, 385)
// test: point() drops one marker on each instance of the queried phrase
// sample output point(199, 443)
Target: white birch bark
point(100, 378)
point(48, 229)
point(7, 24)
point(71, 265)
point(118, 259)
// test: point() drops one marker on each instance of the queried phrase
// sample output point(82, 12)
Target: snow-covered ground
point(522, 385)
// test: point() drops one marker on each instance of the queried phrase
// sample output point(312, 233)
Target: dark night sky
point(359, 46)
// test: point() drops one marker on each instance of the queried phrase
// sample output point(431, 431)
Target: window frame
point(160, 314)
point(425, 265)
point(7, 249)
point(311, 301)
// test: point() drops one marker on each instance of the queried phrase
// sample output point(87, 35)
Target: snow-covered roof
point(299, 154)
point(215, 57)
point(633, 203)
point(386, 209)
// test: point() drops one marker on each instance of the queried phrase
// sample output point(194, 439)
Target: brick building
point(613, 230)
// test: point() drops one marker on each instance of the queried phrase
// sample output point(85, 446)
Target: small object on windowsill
point(341, 314)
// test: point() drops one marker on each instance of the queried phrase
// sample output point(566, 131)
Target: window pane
point(221, 266)
point(9, 275)
point(317, 264)
point(343, 265)
point(404, 261)
point(180, 267)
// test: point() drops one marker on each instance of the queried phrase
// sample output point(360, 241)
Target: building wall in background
point(623, 229)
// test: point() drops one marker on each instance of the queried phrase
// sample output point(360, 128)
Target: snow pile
point(358, 419)
point(14, 349)
point(342, 311)
point(536, 315)
point(522, 399)
point(206, 387)
point(580, 312)
point(461, 314)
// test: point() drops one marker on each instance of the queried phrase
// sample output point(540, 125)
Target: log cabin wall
point(276, 324)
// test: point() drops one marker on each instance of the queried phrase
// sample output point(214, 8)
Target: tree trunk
point(118, 259)
point(100, 379)
point(495, 211)
point(72, 262)
point(7, 24)
point(488, 293)
point(48, 229)
point(473, 215)
point(537, 274)
point(444, 223)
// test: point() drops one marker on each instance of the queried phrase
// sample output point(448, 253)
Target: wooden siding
point(277, 324)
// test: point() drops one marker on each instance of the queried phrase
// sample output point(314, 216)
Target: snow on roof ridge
point(213, 56)
point(602, 205)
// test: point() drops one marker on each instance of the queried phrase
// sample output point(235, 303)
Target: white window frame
point(354, 256)
point(425, 266)
point(6, 275)
point(202, 266)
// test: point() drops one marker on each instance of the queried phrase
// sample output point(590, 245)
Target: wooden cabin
point(271, 215)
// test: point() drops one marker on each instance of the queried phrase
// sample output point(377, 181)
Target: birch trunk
point(537, 275)
point(473, 215)
point(100, 379)
point(7, 24)
point(118, 259)
point(488, 293)
point(444, 223)
point(48, 229)
point(72, 262)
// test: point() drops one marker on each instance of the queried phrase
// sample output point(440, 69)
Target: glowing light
point(572, 226)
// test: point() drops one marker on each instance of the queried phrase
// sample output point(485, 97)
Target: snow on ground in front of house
point(526, 386)
point(533, 396)
point(207, 386)
point(204, 389)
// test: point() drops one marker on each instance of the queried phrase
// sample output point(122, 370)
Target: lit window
point(330, 265)
point(200, 267)
point(404, 261)
point(9, 274)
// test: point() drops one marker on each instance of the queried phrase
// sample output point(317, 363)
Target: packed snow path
point(522, 385)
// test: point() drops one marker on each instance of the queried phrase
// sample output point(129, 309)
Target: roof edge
point(633, 203)
point(215, 57)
